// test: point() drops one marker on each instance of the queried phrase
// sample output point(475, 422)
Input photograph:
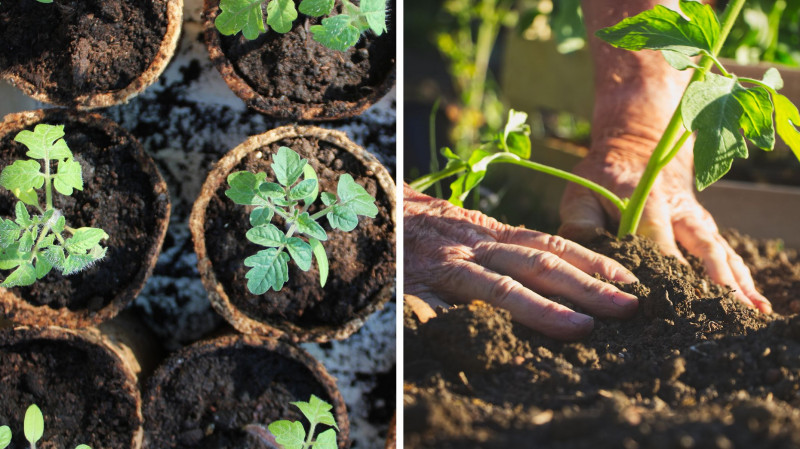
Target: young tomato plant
point(33, 427)
point(716, 107)
point(290, 198)
point(32, 245)
point(285, 434)
point(338, 32)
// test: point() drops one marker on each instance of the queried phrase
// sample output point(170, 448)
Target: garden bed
point(693, 368)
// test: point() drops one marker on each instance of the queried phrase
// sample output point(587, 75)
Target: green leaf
point(58, 226)
point(316, 8)
point(68, 177)
point(310, 174)
point(355, 197)
point(22, 175)
point(240, 15)
point(23, 217)
point(661, 28)
point(244, 189)
point(5, 436)
point(303, 189)
point(289, 434)
point(44, 142)
point(374, 11)
point(287, 166)
point(679, 60)
point(270, 269)
point(24, 275)
point(336, 33)
point(516, 134)
point(309, 227)
point(42, 267)
point(787, 118)
point(268, 235)
point(11, 257)
point(321, 258)
point(772, 78)
point(9, 232)
point(282, 202)
point(82, 446)
point(26, 241)
point(342, 217)
point(317, 411)
point(27, 196)
point(271, 190)
point(84, 239)
point(34, 421)
point(328, 198)
point(261, 216)
point(300, 252)
point(756, 120)
point(281, 14)
point(75, 263)
point(717, 108)
point(326, 440)
point(54, 256)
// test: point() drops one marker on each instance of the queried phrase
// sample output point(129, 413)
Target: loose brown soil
point(357, 259)
point(79, 388)
point(117, 197)
point(293, 72)
point(70, 48)
point(203, 402)
point(692, 369)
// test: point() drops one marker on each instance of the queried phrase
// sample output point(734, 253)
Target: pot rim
point(149, 76)
point(255, 100)
point(217, 295)
point(91, 337)
point(21, 311)
point(288, 350)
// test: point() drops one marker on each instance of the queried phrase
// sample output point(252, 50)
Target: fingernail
point(623, 299)
point(580, 319)
point(626, 277)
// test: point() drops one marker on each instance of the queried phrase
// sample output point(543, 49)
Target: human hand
point(672, 213)
point(453, 255)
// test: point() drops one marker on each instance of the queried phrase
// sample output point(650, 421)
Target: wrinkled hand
point(457, 255)
point(672, 213)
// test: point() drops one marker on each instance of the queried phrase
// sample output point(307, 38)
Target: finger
point(465, 281)
point(743, 277)
point(576, 255)
point(548, 274)
point(657, 225)
point(697, 236)
point(581, 215)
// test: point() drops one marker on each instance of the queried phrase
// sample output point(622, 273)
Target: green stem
point(665, 150)
point(48, 185)
point(322, 213)
point(310, 436)
point(422, 184)
point(758, 83)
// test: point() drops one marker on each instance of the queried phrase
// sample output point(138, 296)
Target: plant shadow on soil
point(692, 368)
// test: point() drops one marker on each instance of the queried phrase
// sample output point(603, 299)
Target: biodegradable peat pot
point(204, 395)
point(294, 77)
point(87, 53)
point(123, 194)
point(362, 262)
point(84, 385)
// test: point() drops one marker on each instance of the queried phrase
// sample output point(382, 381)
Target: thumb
point(582, 215)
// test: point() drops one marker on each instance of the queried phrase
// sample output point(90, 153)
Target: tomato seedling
point(285, 434)
point(33, 428)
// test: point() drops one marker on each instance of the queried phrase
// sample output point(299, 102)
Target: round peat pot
point(362, 262)
point(84, 385)
point(293, 76)
point(205, 394)
point(87, 53)
point(123, 194)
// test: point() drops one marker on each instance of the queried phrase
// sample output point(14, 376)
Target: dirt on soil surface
point(358, 259)
point(78, 388)
point(208, 400)
point(117, 197)
point(293, 70)
point(692, 369)
point(70, 48)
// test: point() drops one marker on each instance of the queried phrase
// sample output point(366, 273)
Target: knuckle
point(502, 290)
point(543, 263)
point(556, 245)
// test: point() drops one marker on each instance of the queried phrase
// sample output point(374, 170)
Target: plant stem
point(665, 150)
point(48, 185)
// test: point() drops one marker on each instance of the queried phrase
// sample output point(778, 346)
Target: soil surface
point(361, 261)
point(77, 386)
point(117, 197)
point(209, 399)
point(70, 48)
point(293, 71)
point(692, 369)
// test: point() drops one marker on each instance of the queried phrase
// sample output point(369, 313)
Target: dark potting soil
point(692, 369)
point(70, 48)
point(79, 389)
point(356, 272)
point(208, 400)
point(293, 70)
point(117, 197)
